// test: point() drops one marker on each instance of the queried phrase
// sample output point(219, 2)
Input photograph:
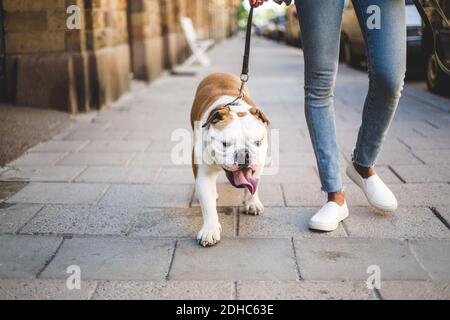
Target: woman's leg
point(386, 50)
point(320, 22)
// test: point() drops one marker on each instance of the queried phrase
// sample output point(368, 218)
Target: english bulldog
point(229, 137)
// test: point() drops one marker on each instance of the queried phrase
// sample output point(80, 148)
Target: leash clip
point(245, 78)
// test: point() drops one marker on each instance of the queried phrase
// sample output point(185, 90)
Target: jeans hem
point(361, 163)
point(333, 190)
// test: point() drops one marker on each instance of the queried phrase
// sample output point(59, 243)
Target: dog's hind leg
point(206, 188)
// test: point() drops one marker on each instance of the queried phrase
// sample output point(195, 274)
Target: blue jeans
point(320, 21)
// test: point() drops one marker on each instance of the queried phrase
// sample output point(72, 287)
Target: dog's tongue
point(244, 179)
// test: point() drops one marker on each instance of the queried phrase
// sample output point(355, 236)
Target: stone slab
point(165, 290)
point(240, 259)
point(405, 223)
point(118, 175)
point(25, 256)
point(96, 159)
point(44, 290)
point(112, 259)
point(434, 256)
point(282, 223)
point(304, 290)
point(180, 223)
point(81, 220)
point(42, 174)
point(14, 216)
point(59, 193)
point(349, 258)
point(137, 196)
point(415, 290)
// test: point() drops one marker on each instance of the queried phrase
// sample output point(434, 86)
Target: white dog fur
point(223, 145)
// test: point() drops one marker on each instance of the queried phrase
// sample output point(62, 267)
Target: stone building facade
point(50, 58)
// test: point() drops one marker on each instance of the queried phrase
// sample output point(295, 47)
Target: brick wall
point(145, 33)
point(48, 65)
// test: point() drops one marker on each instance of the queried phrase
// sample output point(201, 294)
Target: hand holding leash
point(258, 3)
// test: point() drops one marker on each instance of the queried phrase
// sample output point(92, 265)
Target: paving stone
point(180, 223)
point(14, 216)
point(311, 195)
point(82, 220)
point(406, 223)
point(229, 196)
point(25, 256)
point(304, 290)
point(282, 223)
point(112, 259)
point(7, 189)
point(243, 259)
point(434, 256)
point(96, 135)
point(42, 173)
point(392, 157)
point(425, 143)
point(96, 159)
point(59, 193)
point(165, 145)
point(156, 159)
point(421, 194)
point(37, 159)
point(296, 159)
point(59, 146)
point(271, 194)
point(424, 173)
point(303, 195)
point(438, 156)
point(445, 213)
point(116, 146)
point(349, 258)
point(44, 290)
point(175, 175)
point(165, 290)
point(137, 196)
point(293, 175)
point(118, 175)
point(415, 290)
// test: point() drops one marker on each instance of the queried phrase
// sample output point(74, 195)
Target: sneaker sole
point(327, 227)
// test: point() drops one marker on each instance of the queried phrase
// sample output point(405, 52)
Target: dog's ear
point(258, 113)
point(217, 115)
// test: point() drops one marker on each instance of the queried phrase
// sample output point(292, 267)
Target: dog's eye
point(226, 144)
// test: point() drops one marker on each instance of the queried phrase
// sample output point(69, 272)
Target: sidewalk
point(105, 196)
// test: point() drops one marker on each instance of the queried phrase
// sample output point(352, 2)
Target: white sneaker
point(377, 193)
point(328, 218)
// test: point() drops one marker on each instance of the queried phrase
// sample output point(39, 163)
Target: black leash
point(245, 65)
point(248, 38)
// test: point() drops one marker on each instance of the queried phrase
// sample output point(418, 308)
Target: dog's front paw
point(253, 206)
point(209, 235)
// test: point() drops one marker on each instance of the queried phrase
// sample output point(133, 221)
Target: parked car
point(293, 34)
point(275, 29)
point(436, 43)
point(353, 49)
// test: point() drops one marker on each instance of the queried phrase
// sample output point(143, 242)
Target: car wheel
point(349, 56)
point(437, 80)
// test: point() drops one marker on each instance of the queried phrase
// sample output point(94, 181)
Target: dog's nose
point(242, 158)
